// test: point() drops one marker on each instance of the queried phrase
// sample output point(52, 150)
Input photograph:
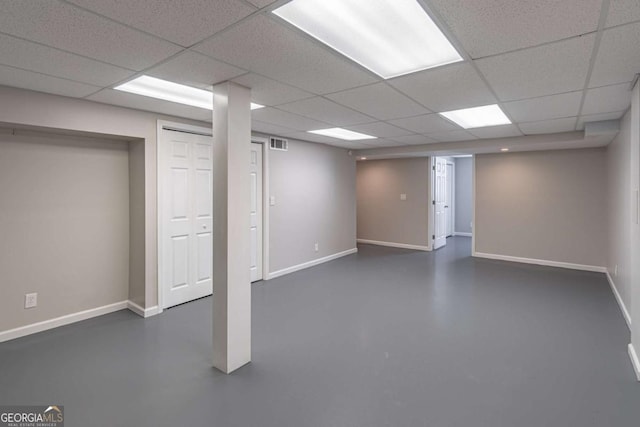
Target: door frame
point(163, 125)
point(452, 205)
point(255, 139)
point(431, 192)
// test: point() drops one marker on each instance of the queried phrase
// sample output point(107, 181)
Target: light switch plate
point(403, 196)
point(272, 201)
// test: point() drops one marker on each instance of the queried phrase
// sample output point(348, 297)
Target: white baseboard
point(308, 264)
point(61, 321)
point(459, 233)
point(547, 263)
point(394, 245)
point(623, 308)
point(634, 360)
point(142, 312)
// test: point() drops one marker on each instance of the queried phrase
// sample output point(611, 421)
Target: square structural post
point(231, 223)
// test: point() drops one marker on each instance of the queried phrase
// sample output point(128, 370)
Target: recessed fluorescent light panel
point(340, 133)
point(390, 38)
point(477, 117)
point(173, 92)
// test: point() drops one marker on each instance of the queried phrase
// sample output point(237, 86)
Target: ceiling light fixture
point(340, 133)
point(468, 118)
point(173, 92)
point(504, 150)
point(390, 38)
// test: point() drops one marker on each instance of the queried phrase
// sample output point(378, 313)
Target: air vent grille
point(278, 144)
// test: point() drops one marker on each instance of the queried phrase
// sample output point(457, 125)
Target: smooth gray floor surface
point(387, 337)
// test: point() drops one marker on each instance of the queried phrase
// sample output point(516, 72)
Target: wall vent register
point(278, 144)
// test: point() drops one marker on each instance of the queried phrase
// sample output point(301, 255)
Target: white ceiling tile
point(286, 119)
point(69, 28)
point(428, 123)
point(310, 137)
point(138, 102)
point(544, 107)
point(269, 92)
point(42, 59)
point(414, 140)
point(487, 27)
point(380, 142)
point(380, 129)
point(15, 77)
point(623, 11)
point(598, 118)
point(270, 129)
point(183, 22)
point(607, 99)
point(545, 70)
point(502, 131)
point(446, 88)
point(548, 126)
point(327, 111)
point(456, 135)
point(261, 3)
point(194, 69)
point(618, 57)
point(379, 101)
point(269, 48)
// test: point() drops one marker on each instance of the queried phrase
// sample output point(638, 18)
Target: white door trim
point(266, 270)
point(181, 127)
point(431, 211)
point(473, 205)
point(452, 204)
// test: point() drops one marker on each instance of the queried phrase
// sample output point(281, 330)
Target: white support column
point(231, 206)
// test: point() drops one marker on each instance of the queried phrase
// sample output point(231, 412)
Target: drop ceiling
point(550, 65)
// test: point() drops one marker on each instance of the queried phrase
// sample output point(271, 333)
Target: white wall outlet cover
point(316, 247)
point(403, 196)
point(31, 300)
point(272, 200)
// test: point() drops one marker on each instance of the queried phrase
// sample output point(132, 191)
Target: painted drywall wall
point(463, 194)
point(619, 214)
point(23, 107)
point(382, 215)
point(64, 224)
point(314, 190)
point(547, 205)
point(634, 160)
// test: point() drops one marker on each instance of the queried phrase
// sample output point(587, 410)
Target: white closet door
point(439, 196)
point(256, 211)
point(186, 182)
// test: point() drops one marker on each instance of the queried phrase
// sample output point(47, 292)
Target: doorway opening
point(451, 212)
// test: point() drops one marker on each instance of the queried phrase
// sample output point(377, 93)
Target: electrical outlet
point(272, 200)
point(403, 196)
point(316, 247)
point(31, 300)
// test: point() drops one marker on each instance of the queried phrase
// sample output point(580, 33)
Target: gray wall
point(64, 224)
point(619, 200)
point(463, 194)
point(314, 187)
point(382, 216)
point(547, 205)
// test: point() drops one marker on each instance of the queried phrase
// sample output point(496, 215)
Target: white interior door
point(256, 212)
point(439, 197)
point(448, 207)
point(186, 229)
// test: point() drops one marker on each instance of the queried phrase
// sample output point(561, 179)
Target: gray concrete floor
point(386, 337)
